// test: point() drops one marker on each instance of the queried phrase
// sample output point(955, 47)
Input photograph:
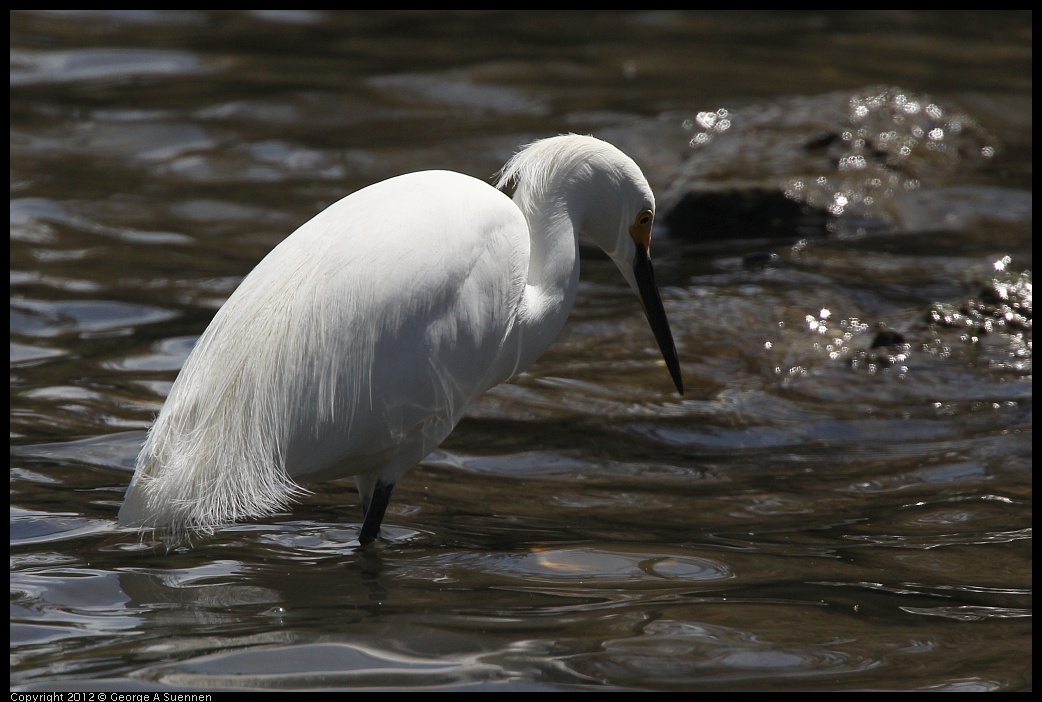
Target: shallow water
point(814, 513)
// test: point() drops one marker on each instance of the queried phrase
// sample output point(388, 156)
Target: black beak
point(653, 310)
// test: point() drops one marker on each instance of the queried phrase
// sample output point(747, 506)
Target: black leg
point(374, 512)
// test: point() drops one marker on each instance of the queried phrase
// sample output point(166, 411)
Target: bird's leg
point(373, 511)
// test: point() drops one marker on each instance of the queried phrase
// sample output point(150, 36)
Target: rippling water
point(842, 499)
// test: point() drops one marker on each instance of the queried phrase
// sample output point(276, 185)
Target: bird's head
point(619, 216)
point(605, 197)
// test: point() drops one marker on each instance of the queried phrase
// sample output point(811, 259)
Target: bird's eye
point(644, 218)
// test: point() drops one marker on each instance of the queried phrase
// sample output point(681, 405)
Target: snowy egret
point(356, 345)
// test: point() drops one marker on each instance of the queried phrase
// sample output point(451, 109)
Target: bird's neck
point(553, 277)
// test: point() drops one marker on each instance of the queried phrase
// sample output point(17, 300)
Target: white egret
point(357, 344)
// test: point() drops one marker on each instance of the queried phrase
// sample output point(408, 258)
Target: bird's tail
point(159, 499)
